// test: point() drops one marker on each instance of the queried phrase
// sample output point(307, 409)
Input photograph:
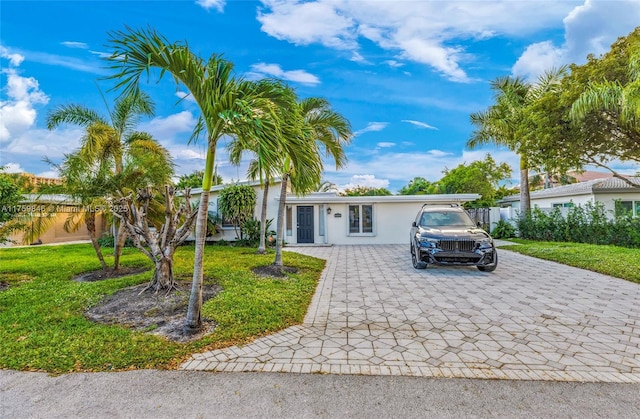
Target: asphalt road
point(184, 394)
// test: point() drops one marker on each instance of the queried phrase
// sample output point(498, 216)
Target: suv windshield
point(445, 218)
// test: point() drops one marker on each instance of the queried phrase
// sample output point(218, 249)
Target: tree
point(194, 180)
point(483, 177)
point(236, 204)
point(158, 244)
point(87, 182)
point(504, 122)
point(313, 126)
point(418, 186)
point(137, 160)
point(266, 155)
point(226, 104)
point(10, 198)
point(366, 191)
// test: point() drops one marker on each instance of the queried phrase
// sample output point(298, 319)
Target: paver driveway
point(530, 319)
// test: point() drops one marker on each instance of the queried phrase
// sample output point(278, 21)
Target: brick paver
point(374, 314)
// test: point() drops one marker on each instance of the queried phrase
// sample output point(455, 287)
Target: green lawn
point(616, 261)
point(42, 326)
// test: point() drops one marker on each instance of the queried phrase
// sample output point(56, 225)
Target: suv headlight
point(428, 242)
point(486, 243)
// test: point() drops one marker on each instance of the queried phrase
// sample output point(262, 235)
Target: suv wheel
point(418, 264)
point(490, 268)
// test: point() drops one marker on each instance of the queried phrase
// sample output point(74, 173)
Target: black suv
point(446, 235)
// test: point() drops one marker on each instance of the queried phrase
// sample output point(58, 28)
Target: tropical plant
point(366, 191)
point(135, 158)
point(88, 183)
point(315, 126)
point(267, 157)
point(194, 180)
point(228, 105)
point(158, 244)
point(503, 123)
point(236, 204)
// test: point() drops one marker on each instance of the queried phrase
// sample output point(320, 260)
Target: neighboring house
point(54, 210)
point(606, 191)
point(323, 218)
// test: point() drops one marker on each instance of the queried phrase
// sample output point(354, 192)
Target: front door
point(305, 224)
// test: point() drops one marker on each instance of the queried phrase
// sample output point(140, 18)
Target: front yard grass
point(42, 326)
point(616, 261)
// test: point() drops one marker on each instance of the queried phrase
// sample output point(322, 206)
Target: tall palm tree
point(114, 139)
point(314, 126)
point(502, 123)
point(226, 104)
point(266, 157)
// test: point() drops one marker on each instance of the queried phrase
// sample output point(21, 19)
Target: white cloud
point(371, 126)
point(21, 96)
point(419, 124)
point(386, 145)
point(537, 59)
point(67, 62)
point(590, 28)
point(212, 4)
point(185, 96)
point(307, 23)
point(393, 63)
point(15, 59)
point(74, 44)
point(12, 168)
point(176, 127)
point(37, 143)
point(274, 70)
point(368, 181)
point(427, 32)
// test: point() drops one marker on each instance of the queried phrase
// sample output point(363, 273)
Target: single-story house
point(606, 191)
point(52, 211)
point(324, 218)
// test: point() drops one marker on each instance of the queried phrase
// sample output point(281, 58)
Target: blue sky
point(406, 74)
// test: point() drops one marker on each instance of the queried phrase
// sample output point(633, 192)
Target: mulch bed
point(157, 313)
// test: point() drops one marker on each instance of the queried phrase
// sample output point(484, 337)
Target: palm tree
point(502, 123)
point(267, 157)
point(88, 183)
point(613, 95)
point(227, 105)
point(113, 139)
point(313, 126)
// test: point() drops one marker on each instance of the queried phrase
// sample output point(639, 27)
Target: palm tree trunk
point(280, 224)
point(120, 239)
point(90, 221)
point(194, 312)
point(262, 248)
point(525, 196)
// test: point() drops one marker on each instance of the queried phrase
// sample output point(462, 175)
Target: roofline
point(336, 199)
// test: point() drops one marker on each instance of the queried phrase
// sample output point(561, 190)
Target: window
point(361, 219)
point(289, 221)
point(627, 208)
point(564, 205)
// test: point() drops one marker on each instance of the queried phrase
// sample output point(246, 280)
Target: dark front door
point(305, 224)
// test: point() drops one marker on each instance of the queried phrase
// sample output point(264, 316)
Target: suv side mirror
point(414, 224)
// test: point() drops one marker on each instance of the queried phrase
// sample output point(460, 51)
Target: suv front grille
point(457, 245)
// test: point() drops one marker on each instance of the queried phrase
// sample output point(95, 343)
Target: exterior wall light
point(329, 210)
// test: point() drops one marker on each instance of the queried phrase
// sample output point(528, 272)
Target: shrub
point(503, 230)
point(582, 224)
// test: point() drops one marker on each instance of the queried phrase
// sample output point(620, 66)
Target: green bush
point(503, 230)
point(582, 224)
